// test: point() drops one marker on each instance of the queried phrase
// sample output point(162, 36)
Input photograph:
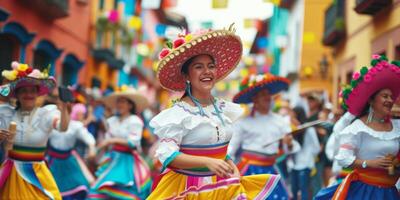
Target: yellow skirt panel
point(174, 186)
point(16, 188)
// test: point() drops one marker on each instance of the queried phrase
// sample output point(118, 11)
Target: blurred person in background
point(261, 134)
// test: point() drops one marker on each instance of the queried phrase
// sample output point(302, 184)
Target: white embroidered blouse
point(34, 128)
point(66, 140)
point(183, 124)
point(254, 133)
point(361, 142)
point(130, 128)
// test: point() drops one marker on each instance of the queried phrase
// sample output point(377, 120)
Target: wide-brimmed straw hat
point(253, 84)
point(129, 93)
point(223, 45)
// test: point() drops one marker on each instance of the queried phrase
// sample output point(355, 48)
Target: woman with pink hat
point(62, 159)
point(370, 144)
point(24, 174)
point(194, 133)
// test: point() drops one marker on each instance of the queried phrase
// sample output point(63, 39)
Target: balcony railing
point(51, 9)
point(334, 29)
point(371, 7)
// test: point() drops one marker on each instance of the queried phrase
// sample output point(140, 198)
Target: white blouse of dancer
point(183, 124)
point(254, 133)
point(34, 128)
point(66, 140)
point(6, 113)
point(305, 158)
point(361, 142)
point(130, 128)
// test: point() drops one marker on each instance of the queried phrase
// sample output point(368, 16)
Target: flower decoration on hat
point(252, 84)
point(222, 45)
point(20, 70)
point(22, 75)
point(368, 80)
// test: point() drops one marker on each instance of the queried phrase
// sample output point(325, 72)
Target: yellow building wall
point(362, 32)
point(313, 50)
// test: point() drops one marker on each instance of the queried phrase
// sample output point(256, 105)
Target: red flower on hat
point(21, 74)
point(29, 70)
point(178, 42)
point(164, 52)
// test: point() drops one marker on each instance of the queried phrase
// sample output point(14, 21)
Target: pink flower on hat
point(367, 78)
point(35, 74)
point(376, 56)
point(14, 65)
point(356, 75)
point(379, 66)
point(373, 71)
point(341, 93)
point(164, 52)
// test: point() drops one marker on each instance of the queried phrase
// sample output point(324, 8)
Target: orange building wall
point(71, 34)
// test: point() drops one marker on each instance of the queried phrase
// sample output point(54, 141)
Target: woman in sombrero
point(195, 132)
point(255, 134)
point(123, 174)
point(62, 159)
point(370, 144)
point(24, 174)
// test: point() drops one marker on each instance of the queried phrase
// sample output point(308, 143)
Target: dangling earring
point(370, 114)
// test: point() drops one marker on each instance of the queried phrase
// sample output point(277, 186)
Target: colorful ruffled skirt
point(366, 184)
point(200, 183)
point(24, 175)
point(252, 163)
point(123, 174)
point(70, 172)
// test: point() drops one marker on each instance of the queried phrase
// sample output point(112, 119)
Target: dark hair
point(133, 109)
point(302, 118)
point(365, 111)
point(187, 63)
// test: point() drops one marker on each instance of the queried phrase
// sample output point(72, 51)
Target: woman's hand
point(236, 173)
point(103, 144)
point(382, 163)
point(4, 134)
point(220, 167)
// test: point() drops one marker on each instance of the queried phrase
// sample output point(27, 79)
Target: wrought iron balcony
point(371, 7)
point(334, 28)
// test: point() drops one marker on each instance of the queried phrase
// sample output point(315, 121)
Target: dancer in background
point(24, 174)
point(72, 176)
point(256, 134)
point(123, 174)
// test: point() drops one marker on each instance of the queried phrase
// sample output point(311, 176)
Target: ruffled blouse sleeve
point(83, 134)
point(135, 129)
point(50, 116)
point(231, 110)
point(349, 141)
point(170, 126)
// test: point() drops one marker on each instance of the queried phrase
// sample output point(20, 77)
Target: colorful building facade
point(46, 34)
point(316, 71)
point(357, 29)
